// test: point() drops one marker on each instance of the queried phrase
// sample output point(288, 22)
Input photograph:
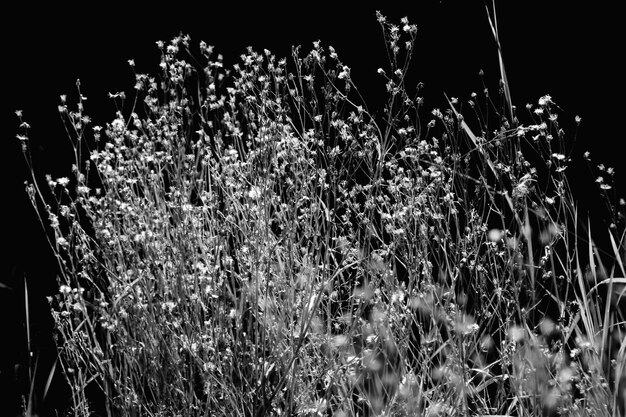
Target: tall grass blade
point(507, 92)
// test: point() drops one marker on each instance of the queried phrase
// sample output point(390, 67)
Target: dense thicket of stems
point(260, 241)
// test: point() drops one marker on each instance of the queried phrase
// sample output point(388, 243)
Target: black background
point(570, 50)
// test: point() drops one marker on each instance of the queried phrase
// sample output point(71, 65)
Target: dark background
point(561, 48)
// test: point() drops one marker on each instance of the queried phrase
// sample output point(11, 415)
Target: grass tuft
point(257, 240)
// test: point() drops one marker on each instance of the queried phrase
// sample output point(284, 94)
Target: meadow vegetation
point(259, 240)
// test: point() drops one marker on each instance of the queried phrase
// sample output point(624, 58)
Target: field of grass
point(258, 240)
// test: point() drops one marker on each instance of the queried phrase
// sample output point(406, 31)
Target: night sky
point(559, 48)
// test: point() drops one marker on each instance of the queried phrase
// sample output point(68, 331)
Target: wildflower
point(545, 100)
point(254, 193)
point(168, 305)
point(578, 119)
point(64, 210)
point(63, 181)
point(61, 241)
point(486, 343)
point(18, 113)
point(64, 289)
point(472, 328)
point(54, 220)
point(333, 53)
point(345, 73)
point(405, 25)
point(339, 340)
point(516, 334)
point(131, 62)
point(495, 235)
point(381, 19)
point(547, 326)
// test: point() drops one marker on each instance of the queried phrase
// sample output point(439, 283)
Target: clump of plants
point(258, 240)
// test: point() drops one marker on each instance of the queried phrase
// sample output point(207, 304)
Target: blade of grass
point(616, 253)
point(49, 380)
point(27, 310)
point(31, 393)
point(581, 285)
point(507, 92)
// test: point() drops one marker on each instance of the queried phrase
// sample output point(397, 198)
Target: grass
point(259, 241)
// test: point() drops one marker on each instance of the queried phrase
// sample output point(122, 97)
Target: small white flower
point(495, 235)
point(168, 305)
point(254, 193)
point(545, 100)
point(345, 73)
point(516, 334)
